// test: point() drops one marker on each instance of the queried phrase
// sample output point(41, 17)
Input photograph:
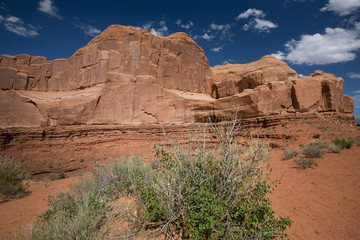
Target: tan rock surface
point(129, 76)
point(235, 78)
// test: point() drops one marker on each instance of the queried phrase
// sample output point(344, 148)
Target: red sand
point(323, 202)
point(22, 212)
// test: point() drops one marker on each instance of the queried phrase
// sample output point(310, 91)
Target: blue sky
point(308, 35)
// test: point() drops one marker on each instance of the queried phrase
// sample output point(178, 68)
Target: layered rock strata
point(128, 76)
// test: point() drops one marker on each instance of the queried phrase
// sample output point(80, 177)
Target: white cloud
point(222, 29)
point(48, 7)
point(217, 49)
point(160, 31)
point(185, 26)
point(257, 21)
point(356, 99)
point(3, 6)
point(88, 30)
point(354, 75)
point(16, 25)
point(342, 7)
point(207, 36)
point(147, 25)
point(356, 92)
point(251, 12)
point(228, 61)
point(279, 55)
point(13, 19)
point(260, 25)
point(334, 46)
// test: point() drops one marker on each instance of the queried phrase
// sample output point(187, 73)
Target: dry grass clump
point(304, 163)
point(312, 151)
point(11, 179)
point(289, 154)
point(332, 147)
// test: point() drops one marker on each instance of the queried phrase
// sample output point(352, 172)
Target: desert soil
point(323, 202)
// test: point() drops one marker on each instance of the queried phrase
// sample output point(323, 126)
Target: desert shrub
point(11, 174)
point(289, 153)
point(316, 135)
point(319, 144)
point(155, 164)
point(74, 215)
point(304, 163)
point(55, 176)
point(312, 151)
point(210, 193)
point(84, 212)
point(357, 140)
point(343, 143)
point(333, 148)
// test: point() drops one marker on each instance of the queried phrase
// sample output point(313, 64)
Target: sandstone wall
point(128, 76)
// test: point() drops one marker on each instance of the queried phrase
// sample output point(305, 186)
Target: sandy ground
point(323, 202)
point(22, 212)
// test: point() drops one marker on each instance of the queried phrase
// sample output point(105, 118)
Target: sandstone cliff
point(128, 76)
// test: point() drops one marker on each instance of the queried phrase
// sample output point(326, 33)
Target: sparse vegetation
point(304, 163)
point(316, 135)
point(357, 140)
point(343, 143)
point(194, 192)
point(312, 151)
point(83, 213)
point(289, 153)
point(11, 176)
point(319, 144)
point(324, 129)
point(55, 176)
point(332, 147)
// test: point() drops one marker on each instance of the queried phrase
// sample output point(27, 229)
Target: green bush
point(11, 174)
point(312, 151)
point(304, 163)
point(343, 143)
point(289, 153)
point(210, 194)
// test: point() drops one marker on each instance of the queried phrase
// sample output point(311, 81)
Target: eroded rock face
point(235, 78)
point(128, 76)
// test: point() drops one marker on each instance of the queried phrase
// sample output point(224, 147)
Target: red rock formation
point(128, 76)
